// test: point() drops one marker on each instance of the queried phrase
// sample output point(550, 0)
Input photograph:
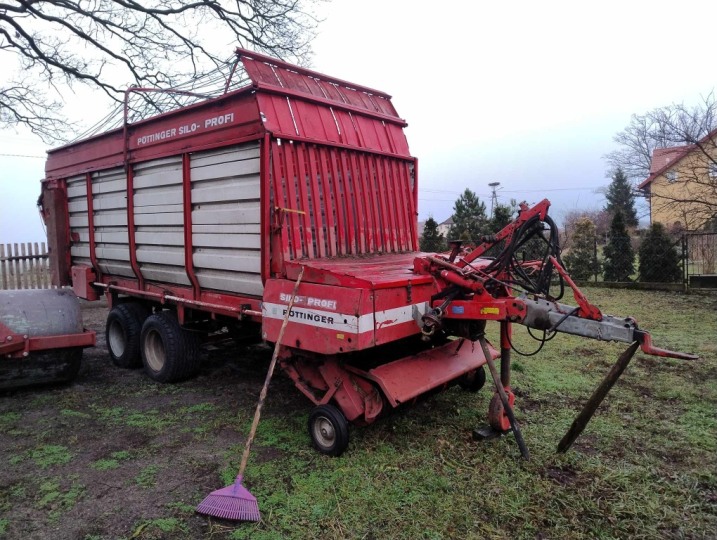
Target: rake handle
point(269, 374)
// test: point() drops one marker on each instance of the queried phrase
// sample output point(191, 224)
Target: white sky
point(525, 93)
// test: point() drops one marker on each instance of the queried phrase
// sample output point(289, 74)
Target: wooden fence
point(24, 266)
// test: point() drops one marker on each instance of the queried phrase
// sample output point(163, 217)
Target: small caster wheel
point(497, 418)
point(473, 380)
point(329, 430)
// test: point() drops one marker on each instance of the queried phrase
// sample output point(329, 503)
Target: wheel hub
point(154, 351)
point(117, 338)
point(325, 432)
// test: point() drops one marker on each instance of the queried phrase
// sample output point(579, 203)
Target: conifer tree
point(619, 256)
point(620, 197)
point(580, 261)
point(431, 240)
point(659, 261)
point(469, 218)
point(502, 215)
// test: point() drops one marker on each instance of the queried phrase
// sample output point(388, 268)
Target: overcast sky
point(528, 94)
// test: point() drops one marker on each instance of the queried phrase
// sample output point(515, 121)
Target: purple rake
point(232, 502)
point(235, 502)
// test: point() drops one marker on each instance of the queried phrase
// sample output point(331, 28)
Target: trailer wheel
point(169, 352)
point(329, 430)
point(123, 330)
point(473, 380)
point(497, 419)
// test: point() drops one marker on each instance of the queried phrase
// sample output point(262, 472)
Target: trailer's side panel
point(109, 203)
point(159, 221)
point(342, 202)
point(226, 218)
point(79, 222)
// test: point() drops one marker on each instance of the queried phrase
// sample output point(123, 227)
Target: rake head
point(232, 502)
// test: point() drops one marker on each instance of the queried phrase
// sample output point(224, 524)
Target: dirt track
point(115, 455)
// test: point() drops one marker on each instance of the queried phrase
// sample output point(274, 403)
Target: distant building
point(682, 186)
point(445, 226)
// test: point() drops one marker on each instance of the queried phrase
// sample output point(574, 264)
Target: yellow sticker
point(490, 311)
point(339, 336)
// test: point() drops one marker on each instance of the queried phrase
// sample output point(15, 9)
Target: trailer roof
point(283, 100)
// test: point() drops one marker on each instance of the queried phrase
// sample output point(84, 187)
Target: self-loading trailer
point(203, 217)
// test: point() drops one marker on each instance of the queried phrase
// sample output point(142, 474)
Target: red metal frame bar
point(404, 227)
point(231, 306)
point(526, 213)
point(311, 158)
point(370, 183)
point(587, 310)
point(278, 219)
point(390, 208)
point(346, 203)
point(328, 207)
point(265, 203)
point(415, 200)
point(21, 345)
point(302, 180)
point(286, 151)
point(187, 208)
point(362, 221)
point(131, 228)
point(91, 224)
point(330, 154)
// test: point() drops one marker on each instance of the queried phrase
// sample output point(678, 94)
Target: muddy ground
point(115, 455)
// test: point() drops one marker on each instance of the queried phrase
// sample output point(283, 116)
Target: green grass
point(147, 477)
point(112, 462)
point(50, 454)
point(56, 499)
point(645, 467)
point(159, 528)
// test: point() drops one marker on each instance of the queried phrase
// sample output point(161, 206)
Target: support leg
point(596, 399)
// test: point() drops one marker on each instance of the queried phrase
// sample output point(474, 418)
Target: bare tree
point(599, 218)
point(664, 127)
point(691, 131)
point(108, 44)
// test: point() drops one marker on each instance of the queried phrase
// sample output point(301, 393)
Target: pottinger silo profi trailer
point(203, 217)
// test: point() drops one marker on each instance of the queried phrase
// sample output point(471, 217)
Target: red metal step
point(407, 378)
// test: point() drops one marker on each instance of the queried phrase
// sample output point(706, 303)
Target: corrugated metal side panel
point(342, 202)
point(159, 220)
point(109, 202)
point(79, 224)
point(226, 219)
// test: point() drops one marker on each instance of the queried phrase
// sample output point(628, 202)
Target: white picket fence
point(24, 266)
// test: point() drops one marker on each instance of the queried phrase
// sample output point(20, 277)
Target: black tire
point(169, 352)
point(473, 380)
point(122, 333)
point(41, 367)
point(329, 430)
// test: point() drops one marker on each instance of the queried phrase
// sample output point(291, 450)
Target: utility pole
point(493, 197)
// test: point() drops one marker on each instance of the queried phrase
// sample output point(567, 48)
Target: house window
point(671, 176)
point(713, 170)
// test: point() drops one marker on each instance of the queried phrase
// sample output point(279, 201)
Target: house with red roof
point(682, 185)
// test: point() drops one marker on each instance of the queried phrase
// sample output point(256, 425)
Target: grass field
point(116, 456)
